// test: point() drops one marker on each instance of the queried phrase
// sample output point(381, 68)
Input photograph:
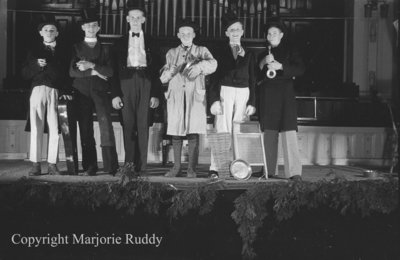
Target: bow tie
point(185, 47)
point(135, 34)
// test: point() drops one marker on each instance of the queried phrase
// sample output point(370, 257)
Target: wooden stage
point(14, 170)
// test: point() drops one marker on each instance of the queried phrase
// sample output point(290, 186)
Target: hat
point(275, 22)
point(47, 19)
point(228, 19)
point(187, 23)
point(135, 5)
point(89, 15)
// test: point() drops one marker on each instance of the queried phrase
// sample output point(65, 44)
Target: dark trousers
point(135, 115)
point(98, 99)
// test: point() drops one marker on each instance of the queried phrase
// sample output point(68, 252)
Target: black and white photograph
point(199, 129)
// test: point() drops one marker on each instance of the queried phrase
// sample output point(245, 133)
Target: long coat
point(186, 98)
point(276, 99)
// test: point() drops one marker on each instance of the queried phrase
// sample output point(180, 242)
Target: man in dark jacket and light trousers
point(277, 103)
point(233, 84)
point(46, 67)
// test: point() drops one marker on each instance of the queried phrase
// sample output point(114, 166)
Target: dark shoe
point(91, 171)
point(191, 173)
point(112, 172)
point(213, 174)
point(295, 178)
point(53, 170)
point(175, 171)
point(35, 170)
point(126, 170)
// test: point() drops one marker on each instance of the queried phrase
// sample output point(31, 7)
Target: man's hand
point(275, 65)
point(250, 110)
point(154, 102)
point(269, 58)
point(84, 65)
point(216, 108)
point(65, 97)
point(96, 73)
point(117, 103)
point(167, 74)
point(42, 62)
point(194, 71)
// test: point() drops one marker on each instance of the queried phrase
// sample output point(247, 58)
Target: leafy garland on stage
point(250, 208)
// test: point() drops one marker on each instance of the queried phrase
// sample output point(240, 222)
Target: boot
point(110, 159)
point(35, 170)
point(53, 170)
point(177, 146)
point(193, 155)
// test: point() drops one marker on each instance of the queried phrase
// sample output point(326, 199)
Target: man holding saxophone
point(278, 65)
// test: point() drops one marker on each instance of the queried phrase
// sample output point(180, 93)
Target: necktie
point(135, 34)
point(235, 50)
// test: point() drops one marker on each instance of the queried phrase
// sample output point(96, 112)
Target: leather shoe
point(53, 170)
point(35, 170)
point(191, 173)
point(174, 172)
point(91, 171)
point(213, 174)
point(295, 178)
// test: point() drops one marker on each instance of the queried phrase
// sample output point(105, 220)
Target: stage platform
point(14, 170)
point(333, 213)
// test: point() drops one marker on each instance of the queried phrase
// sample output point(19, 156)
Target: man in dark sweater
point(46, 67)
point(91, 67)
point(232, 90)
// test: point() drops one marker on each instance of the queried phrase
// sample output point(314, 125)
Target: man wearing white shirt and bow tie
point(232, 89)
point(136, 88)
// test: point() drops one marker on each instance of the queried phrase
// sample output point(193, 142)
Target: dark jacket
point(276, 96)
point(291, 60)
point(55, 74)
point(239, 73)
point(101, 56)
point(123, 72)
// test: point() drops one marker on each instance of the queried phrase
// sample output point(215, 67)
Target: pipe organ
point(163, 15)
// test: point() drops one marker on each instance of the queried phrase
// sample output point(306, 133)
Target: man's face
point(274, 36)
point(135, 18)
point(91, 29)
point(186, 35)
point(49, 33)
point(234, 32)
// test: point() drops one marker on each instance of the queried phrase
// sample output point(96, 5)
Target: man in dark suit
point(233, 85)
point(278, 65)
point(91, 68)
point(46, 67)
point(137, 88)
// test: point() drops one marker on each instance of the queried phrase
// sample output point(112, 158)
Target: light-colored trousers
point(291, 155)
point(234, 103)
point(43, 98)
